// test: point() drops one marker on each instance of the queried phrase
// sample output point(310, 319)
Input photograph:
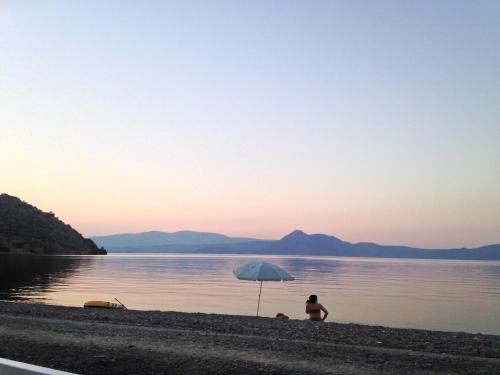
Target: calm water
point(432, 294)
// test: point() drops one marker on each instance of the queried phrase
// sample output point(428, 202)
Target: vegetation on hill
point(24, 229)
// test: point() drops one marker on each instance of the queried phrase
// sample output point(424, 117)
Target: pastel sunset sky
point(369, 120)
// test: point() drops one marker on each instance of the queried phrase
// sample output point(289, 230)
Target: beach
point(92, 341)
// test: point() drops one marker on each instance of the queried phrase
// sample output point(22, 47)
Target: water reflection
point(433, 294)
point(25, 277)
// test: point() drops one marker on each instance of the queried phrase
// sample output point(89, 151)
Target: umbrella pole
point(258, 303)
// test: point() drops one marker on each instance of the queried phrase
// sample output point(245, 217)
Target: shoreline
point(92, 341)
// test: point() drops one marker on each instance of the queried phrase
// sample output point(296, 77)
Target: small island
point(24, 229)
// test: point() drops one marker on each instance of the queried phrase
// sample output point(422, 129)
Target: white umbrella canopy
point(261, 271)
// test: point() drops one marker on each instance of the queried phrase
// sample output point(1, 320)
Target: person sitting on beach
point(281, 316)
point(313, 308)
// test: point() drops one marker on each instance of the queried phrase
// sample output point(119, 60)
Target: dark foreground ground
point(151, 342)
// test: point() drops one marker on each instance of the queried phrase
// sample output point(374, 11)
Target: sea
point(447, 295)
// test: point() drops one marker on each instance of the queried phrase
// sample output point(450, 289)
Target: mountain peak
point(296, 234)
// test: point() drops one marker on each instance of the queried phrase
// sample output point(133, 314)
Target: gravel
point(95, 341)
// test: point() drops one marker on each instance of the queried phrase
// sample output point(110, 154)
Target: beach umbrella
point(261, 271)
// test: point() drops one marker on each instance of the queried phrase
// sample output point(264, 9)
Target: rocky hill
point(24, 229)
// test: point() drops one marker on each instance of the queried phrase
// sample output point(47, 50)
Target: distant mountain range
point(295, 243)
point(156, 238)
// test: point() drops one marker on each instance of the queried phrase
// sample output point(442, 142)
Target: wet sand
point(89, 341)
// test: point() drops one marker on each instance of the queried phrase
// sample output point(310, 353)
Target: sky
point(371, 121)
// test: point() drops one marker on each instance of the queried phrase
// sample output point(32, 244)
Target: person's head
point(313, 298)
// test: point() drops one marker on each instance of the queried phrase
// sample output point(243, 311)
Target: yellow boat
point(104, 305)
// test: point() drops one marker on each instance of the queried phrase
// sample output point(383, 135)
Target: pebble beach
point(96, 341)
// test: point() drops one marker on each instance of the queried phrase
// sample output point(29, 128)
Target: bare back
point(314, 311)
